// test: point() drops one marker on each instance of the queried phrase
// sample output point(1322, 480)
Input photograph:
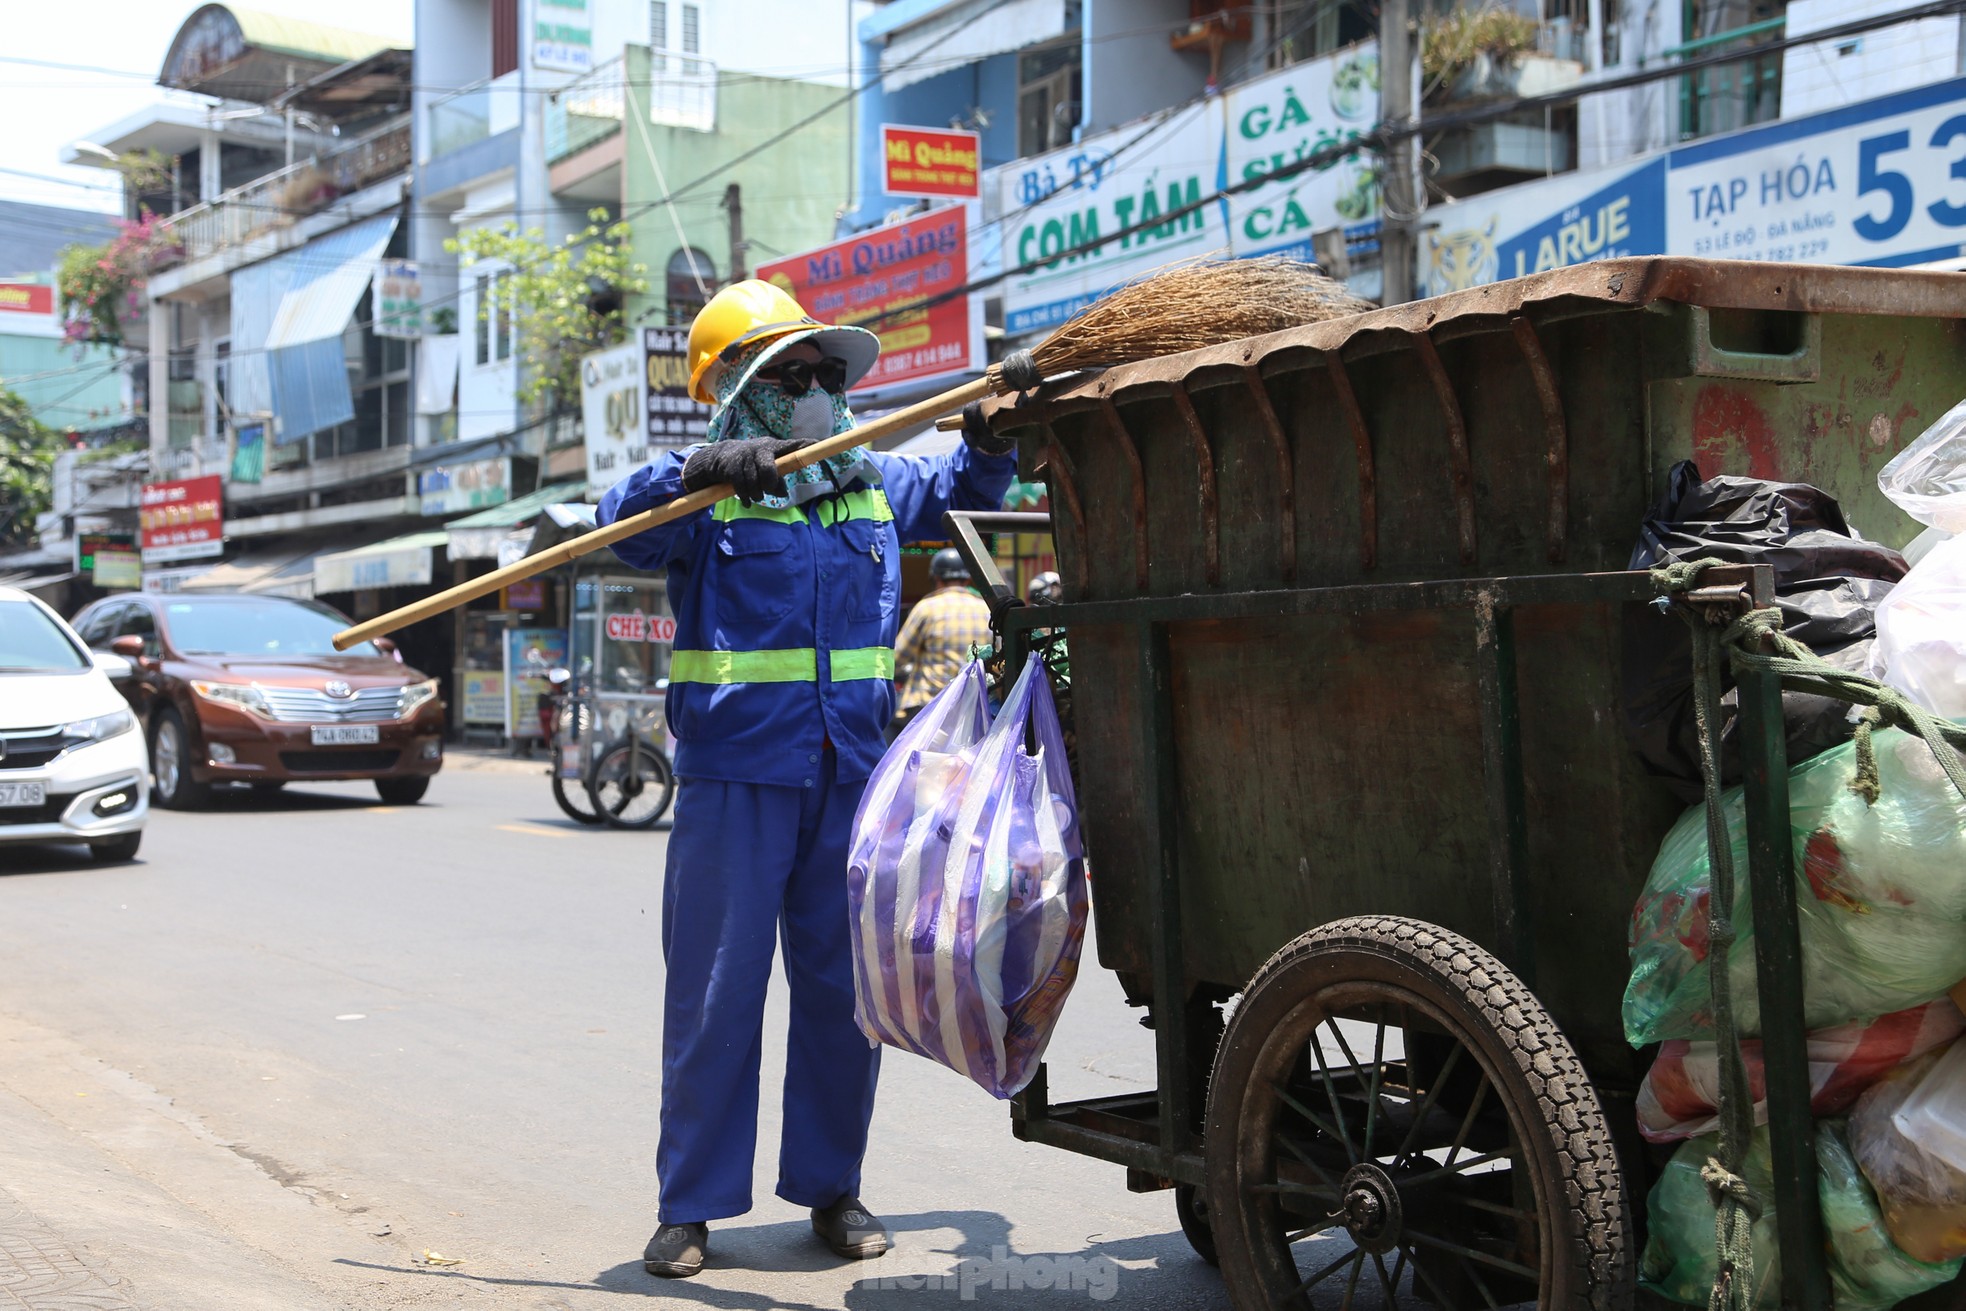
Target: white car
point(72, 763)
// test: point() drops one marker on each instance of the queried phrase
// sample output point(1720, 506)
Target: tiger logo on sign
point(1463, 259)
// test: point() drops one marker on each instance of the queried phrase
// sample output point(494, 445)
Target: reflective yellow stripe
point(798, 665)
point(731, 508)
point(867, 662)
point(864, 504)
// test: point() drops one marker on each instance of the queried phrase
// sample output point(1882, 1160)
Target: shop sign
point(359, 570)
point(452, 488)
point(529, 653)
point(93, 550)
point(634, 626)
point(611, 414)
point(182, 520)
point(1056, 206)
point(1881, 182)
point(889, 279)
point(563, 35)
point(528, 595)
point(921, 161)
point(484, 696)
point(673, 418)
point(398, 299)
point(26, 298)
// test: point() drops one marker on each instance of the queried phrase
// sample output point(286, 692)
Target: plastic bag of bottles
point(966, 884)
point(1881, 899)
point(1867, 1270)
point(1923, 1198)
point(1680, 1097)
point(1927, 479)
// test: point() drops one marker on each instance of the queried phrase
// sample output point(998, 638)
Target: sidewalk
point(494, 759)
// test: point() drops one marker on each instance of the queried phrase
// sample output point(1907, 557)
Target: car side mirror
point(129, 646)
point(116, 666)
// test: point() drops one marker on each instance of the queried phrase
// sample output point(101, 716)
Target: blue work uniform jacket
point(786, 618)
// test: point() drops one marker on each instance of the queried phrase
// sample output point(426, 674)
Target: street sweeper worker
point(780, 689)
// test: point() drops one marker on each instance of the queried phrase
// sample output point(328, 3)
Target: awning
point(297, 307)
point(480, 536)
point(399, 562)
point(964, 33)
point(286, 572)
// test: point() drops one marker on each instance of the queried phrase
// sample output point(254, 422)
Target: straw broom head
point(1185, 307)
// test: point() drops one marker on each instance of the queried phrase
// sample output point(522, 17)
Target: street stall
point(1349, 606)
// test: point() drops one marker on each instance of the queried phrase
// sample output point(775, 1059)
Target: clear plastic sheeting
point(966, 884)
point(1922, 1197)
point(1927, 479)
point(1881, 893)
point(1867, 1270)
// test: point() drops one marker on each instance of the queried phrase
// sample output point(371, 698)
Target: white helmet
point(1045, 589)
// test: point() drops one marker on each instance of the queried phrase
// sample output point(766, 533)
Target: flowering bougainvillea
point(102, 286)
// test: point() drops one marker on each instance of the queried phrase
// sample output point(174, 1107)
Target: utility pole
point(734, 212)
point(1396, 109)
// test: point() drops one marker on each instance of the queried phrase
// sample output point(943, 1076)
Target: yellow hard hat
point(742, 314)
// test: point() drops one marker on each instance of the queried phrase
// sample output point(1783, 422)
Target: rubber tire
point(406, 791)
point(1191, 1209)
point(1587, 1245)
point(575, 802)
point(268, 787)
point(662, 777)
point(189, 794)
point(120, 848)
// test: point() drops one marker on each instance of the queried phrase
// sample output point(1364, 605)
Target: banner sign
point(921, 161)
point(611, 415)
point(634, 626)
point(673, 418)
point(398, 299)
point(26, 298)
point(1882, 182)
point(183, 520)
point(529, 653)
point(109, 560)
point(563, 35)
point(471, 486)
point(1054, 205)
point(484, 696)
point(880, 278)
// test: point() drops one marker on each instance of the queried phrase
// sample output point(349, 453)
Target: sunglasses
point(797, 376)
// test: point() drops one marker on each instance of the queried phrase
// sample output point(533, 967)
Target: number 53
point(1898, 187)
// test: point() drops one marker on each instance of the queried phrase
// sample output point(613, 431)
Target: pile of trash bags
point(1880, 886)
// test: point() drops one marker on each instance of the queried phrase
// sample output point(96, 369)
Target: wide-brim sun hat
point(857, 348)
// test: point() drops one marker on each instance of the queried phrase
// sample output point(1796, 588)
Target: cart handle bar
point(966, 528)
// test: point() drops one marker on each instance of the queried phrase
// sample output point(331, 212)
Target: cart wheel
point(1191, 1208)
point(574, 800)
point(1394, 1113)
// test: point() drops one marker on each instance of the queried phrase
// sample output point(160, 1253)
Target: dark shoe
point(676, 1251)
point(848, 1228)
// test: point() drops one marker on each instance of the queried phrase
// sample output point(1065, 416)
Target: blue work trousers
point(750, 864)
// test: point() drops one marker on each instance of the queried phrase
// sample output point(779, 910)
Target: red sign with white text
point(924, 161)
point(891, 280)
point(26, 298)
point(635, 626)
point(182, 520)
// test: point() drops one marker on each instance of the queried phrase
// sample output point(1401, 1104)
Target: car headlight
point(241, 696)
point(101, 727)
point(413, 697)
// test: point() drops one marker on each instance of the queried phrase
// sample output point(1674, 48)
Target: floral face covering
point(763, 410)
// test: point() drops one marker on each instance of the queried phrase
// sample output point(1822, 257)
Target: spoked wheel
point(1394, 1120)
point(574, 799)
point(632, 784)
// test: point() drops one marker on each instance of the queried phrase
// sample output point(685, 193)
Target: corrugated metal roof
point(304, 38)
point(337, 270)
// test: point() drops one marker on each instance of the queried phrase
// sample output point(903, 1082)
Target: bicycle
point(632, 780)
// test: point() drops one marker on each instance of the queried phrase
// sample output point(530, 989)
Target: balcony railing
point(460, 119)
point(1722, 97)
point(280, 198)
point(681, 92)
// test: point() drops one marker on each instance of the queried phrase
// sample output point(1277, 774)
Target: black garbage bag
point(1828, 582)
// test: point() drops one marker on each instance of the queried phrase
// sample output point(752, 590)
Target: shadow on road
point(985, 1268)
point(55, 858)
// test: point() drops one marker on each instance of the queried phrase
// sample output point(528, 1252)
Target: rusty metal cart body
point(1344, 604)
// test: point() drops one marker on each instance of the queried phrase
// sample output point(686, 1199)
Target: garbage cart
point(1344, 606)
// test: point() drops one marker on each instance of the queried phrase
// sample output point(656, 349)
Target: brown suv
point(249, 689)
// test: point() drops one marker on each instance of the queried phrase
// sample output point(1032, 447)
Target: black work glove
point(747, 465)
point(978, 436)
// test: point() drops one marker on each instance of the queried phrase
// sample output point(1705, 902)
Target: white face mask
point(812, 416)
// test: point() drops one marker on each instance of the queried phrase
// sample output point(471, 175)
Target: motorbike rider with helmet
point(943, 629)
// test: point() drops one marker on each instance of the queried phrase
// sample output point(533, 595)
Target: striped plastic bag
point(966, 884)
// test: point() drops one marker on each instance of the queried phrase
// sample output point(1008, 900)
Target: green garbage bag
point(1866, 1268)
point(1880, 890)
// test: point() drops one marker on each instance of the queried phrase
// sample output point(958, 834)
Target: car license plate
point(21, 795)
point(345, 735)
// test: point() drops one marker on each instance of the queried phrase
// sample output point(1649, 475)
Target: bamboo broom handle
point(569, 551)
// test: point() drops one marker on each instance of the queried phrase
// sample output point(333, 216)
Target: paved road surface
point(305, 1040)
